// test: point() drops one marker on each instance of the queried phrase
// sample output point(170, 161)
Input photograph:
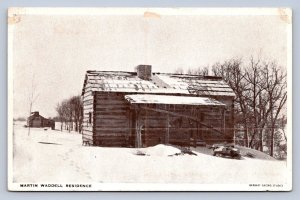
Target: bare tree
point(255, 100)
point(179, 71)
point(283, 146)
point(77, 111)
point(190, 71)
point(276, 95)
point(202, 71)
point(283, 123)
point(32, 97)
point(70, 112)
point(260, 90)
point(233, 73)
point(59, 110)
point(67, 112)
point(260, 97)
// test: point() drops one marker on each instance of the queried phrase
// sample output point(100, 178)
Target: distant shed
point(38, 121)
point(140, 109)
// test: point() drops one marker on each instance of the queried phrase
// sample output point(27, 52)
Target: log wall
point(87, 124)
point(182, 131)
point(114, 122)
point(229, 117)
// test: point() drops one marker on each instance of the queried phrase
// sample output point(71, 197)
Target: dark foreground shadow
point(49, 143)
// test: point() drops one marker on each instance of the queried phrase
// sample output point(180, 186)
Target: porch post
point(167, 129)
point(137, 129)
point(224, 121)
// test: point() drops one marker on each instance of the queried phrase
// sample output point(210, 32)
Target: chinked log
point(87, 112)
point(111, 128)
point(116, 112)
point(111, 107)
point(87, 97)
point(90, 129)
point(109, 117)
point(89, 101)
point(110, 121)
point(111, 135)
point(111, 102)
point(87, 136)
point(106, 97)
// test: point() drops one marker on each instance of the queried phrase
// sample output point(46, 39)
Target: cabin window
point(90, 117)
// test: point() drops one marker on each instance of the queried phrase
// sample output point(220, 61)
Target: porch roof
point(169, 99)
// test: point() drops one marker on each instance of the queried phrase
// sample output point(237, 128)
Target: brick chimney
point(144, 72)
point(35, 113)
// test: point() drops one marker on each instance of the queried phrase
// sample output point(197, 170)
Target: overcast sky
point(58, 49)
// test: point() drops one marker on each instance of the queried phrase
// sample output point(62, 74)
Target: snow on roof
point(167, 99)
point(195, 85)
point(159, 84)
point(118, 82)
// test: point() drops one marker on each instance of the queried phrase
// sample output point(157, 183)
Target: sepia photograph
point(149, 99)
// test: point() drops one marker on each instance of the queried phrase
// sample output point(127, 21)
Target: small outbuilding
point(38, 121)
point(142, 108)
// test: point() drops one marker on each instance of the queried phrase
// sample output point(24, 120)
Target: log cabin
point(142, 108)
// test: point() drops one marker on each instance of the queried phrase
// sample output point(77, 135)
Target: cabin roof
point(160, 83)
point(31, 117)
point(171, 100)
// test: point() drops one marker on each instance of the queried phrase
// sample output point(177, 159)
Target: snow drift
point(54, 156)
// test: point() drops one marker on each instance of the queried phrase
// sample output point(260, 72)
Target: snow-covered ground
point(54, 156)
